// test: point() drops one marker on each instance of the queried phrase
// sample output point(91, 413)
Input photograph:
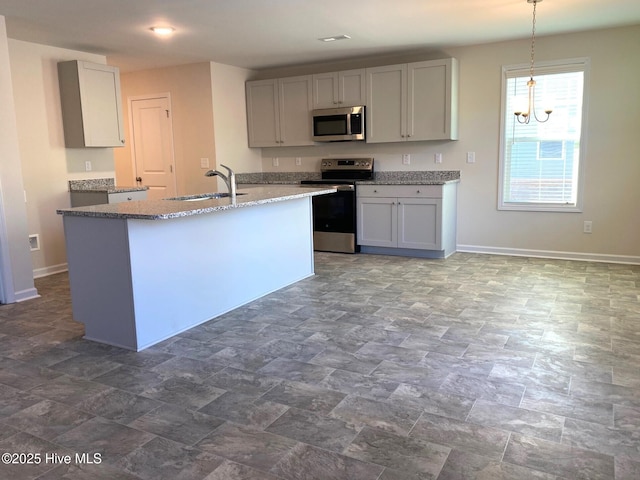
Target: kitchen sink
point(206, 196)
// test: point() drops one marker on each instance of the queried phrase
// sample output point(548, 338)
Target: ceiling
point(261, 34)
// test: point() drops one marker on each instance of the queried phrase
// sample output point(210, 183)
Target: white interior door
point(152, 149)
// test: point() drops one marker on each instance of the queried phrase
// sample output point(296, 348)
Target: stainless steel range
point(334, 215)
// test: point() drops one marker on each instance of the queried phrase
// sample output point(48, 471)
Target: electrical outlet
point(437, 158)
point(471, 157)
point(87, 166)
point(34, 242)
point(298, 161)
point(204, 163)
point(588, 226)
point(406, 159)
point(275, 161)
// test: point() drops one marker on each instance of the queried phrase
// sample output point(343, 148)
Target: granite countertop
point(432, 177)
point(173, 208)
point(276, 178)
point(101, 185)
point(438, 177)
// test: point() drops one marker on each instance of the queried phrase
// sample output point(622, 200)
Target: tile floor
point(474, 367)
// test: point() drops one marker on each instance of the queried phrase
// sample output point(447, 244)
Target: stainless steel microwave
point(343, 124)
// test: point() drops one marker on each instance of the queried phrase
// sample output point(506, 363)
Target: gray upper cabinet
point(339, 89)
point(91, 104)
point(386, 114)
point(278, 112)
point(413, 102)
point(407, 102)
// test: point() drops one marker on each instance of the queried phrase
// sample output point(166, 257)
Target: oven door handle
point(345, 188)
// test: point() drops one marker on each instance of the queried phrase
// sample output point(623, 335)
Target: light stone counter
point(408, 177)
point(101, 185)
point(166, 209)
point(414, 177)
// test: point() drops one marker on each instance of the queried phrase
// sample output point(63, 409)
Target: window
point(540, 163)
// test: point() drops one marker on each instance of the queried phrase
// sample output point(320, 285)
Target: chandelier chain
point(533, 37)
point(525, 116)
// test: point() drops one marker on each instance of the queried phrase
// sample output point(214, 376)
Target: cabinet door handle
point(417, 191)
point(139, 179)
point(128, 199)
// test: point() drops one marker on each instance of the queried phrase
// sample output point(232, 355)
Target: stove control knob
point(357, 164)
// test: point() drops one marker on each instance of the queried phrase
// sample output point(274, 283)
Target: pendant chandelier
point(525, 116)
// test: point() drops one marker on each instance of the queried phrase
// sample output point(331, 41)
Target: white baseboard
point(518, 252)
point(28, 294)
point(52, 270)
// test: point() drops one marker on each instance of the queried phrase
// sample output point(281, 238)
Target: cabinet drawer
point(127, 196)
point(407, 191)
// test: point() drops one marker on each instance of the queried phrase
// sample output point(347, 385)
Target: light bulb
point(163, 31)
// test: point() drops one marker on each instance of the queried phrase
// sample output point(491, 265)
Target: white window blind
point(540, 165)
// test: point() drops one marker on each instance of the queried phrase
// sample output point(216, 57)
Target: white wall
point(16, 277)
point(230, 119)
point(47, 165)
point(611, 196)
point(209, 121)
point(192, 120)
point(612, 169)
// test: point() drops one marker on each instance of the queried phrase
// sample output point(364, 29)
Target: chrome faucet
point(229, 179)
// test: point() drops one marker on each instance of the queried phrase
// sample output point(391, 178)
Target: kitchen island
point(143, 271)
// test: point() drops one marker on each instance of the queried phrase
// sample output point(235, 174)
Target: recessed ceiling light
point(333, 39)
point(163, 31)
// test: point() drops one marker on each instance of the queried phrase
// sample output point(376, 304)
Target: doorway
point(152, 144)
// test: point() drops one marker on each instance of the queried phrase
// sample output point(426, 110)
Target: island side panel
point(186, 271)
point(100, 278)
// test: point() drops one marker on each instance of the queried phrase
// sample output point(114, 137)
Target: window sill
point(536, 207)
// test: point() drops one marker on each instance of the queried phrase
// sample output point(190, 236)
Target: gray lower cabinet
point(417, 220)
point(83, 199)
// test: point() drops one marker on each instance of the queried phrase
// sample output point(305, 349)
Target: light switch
point(437, 157)
point(204, 163)
point(406, 159)
point(471, 157)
